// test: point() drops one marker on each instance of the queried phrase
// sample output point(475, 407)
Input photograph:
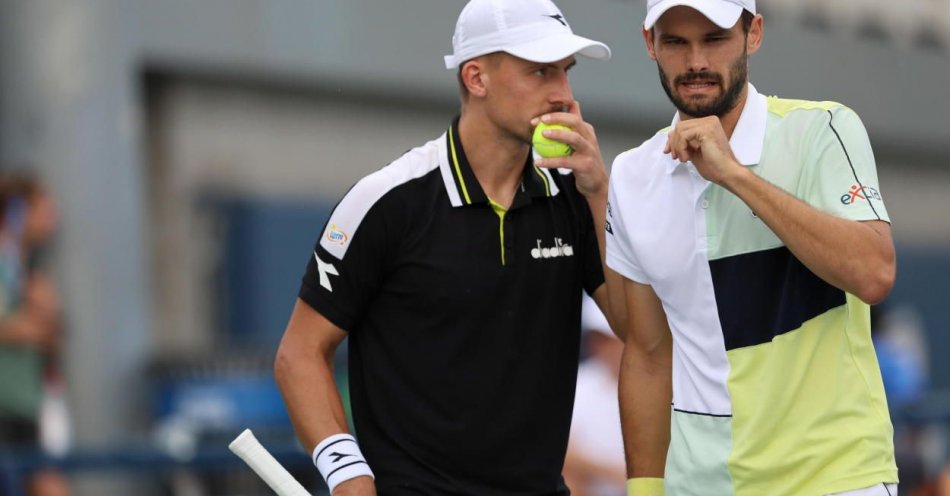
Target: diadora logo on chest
point(560, 249)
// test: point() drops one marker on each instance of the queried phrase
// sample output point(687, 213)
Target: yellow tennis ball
point(549, 148)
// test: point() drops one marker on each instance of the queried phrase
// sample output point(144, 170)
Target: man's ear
point(648, 39)
point(475, 77)
point(754, 39)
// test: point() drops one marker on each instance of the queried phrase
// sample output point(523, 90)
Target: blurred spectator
point(594, 465)
point(29, 321)
point(940, 486)
point(943, 483)
point(899, 343)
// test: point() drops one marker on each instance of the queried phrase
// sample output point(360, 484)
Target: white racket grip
point(276, 476)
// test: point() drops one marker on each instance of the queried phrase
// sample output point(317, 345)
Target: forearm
point(645, 398)
point(310, 393)
point(856, 257)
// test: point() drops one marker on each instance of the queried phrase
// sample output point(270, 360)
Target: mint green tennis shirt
point(776, 387)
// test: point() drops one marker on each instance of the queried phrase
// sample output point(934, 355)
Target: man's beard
point(738, 76)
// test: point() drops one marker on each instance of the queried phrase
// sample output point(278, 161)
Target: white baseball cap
point(533, 30)
point(723, 13)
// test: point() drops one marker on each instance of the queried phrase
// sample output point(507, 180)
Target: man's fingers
point(680, 148)
point(563, 118)
point(552, 163)
point(681, 140)
point(573, 138)
point(674, 143)
point(669, 148)
point(677, 151)
point(574, 108)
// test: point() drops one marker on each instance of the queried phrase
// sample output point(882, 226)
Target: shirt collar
point(749, 135)
point(463, 187)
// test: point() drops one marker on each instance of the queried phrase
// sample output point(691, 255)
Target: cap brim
point(722, 14)
point(558, 47)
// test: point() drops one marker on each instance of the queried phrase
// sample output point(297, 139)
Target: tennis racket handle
point(269, 469)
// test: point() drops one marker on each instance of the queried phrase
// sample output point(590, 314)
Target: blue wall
point(923, 282)
point(268, 245)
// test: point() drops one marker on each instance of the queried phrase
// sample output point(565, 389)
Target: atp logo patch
point(336, 235)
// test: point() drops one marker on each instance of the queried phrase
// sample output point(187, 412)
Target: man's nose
point(697, 61)
point(561, 95)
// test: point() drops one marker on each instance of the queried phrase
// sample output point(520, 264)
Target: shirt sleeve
point(346, 267)
point(590, 265)
point(840, 173)
point(593, 265)
point(620, 256)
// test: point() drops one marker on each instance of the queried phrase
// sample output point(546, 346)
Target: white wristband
point(338, 458)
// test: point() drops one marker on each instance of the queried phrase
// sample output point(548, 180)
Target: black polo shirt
point(463, 320)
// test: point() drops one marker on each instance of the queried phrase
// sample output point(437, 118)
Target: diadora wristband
point(645, 486)
point(338, 458)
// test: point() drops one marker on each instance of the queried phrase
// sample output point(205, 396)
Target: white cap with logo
point(723, 13)
point(533, 30)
